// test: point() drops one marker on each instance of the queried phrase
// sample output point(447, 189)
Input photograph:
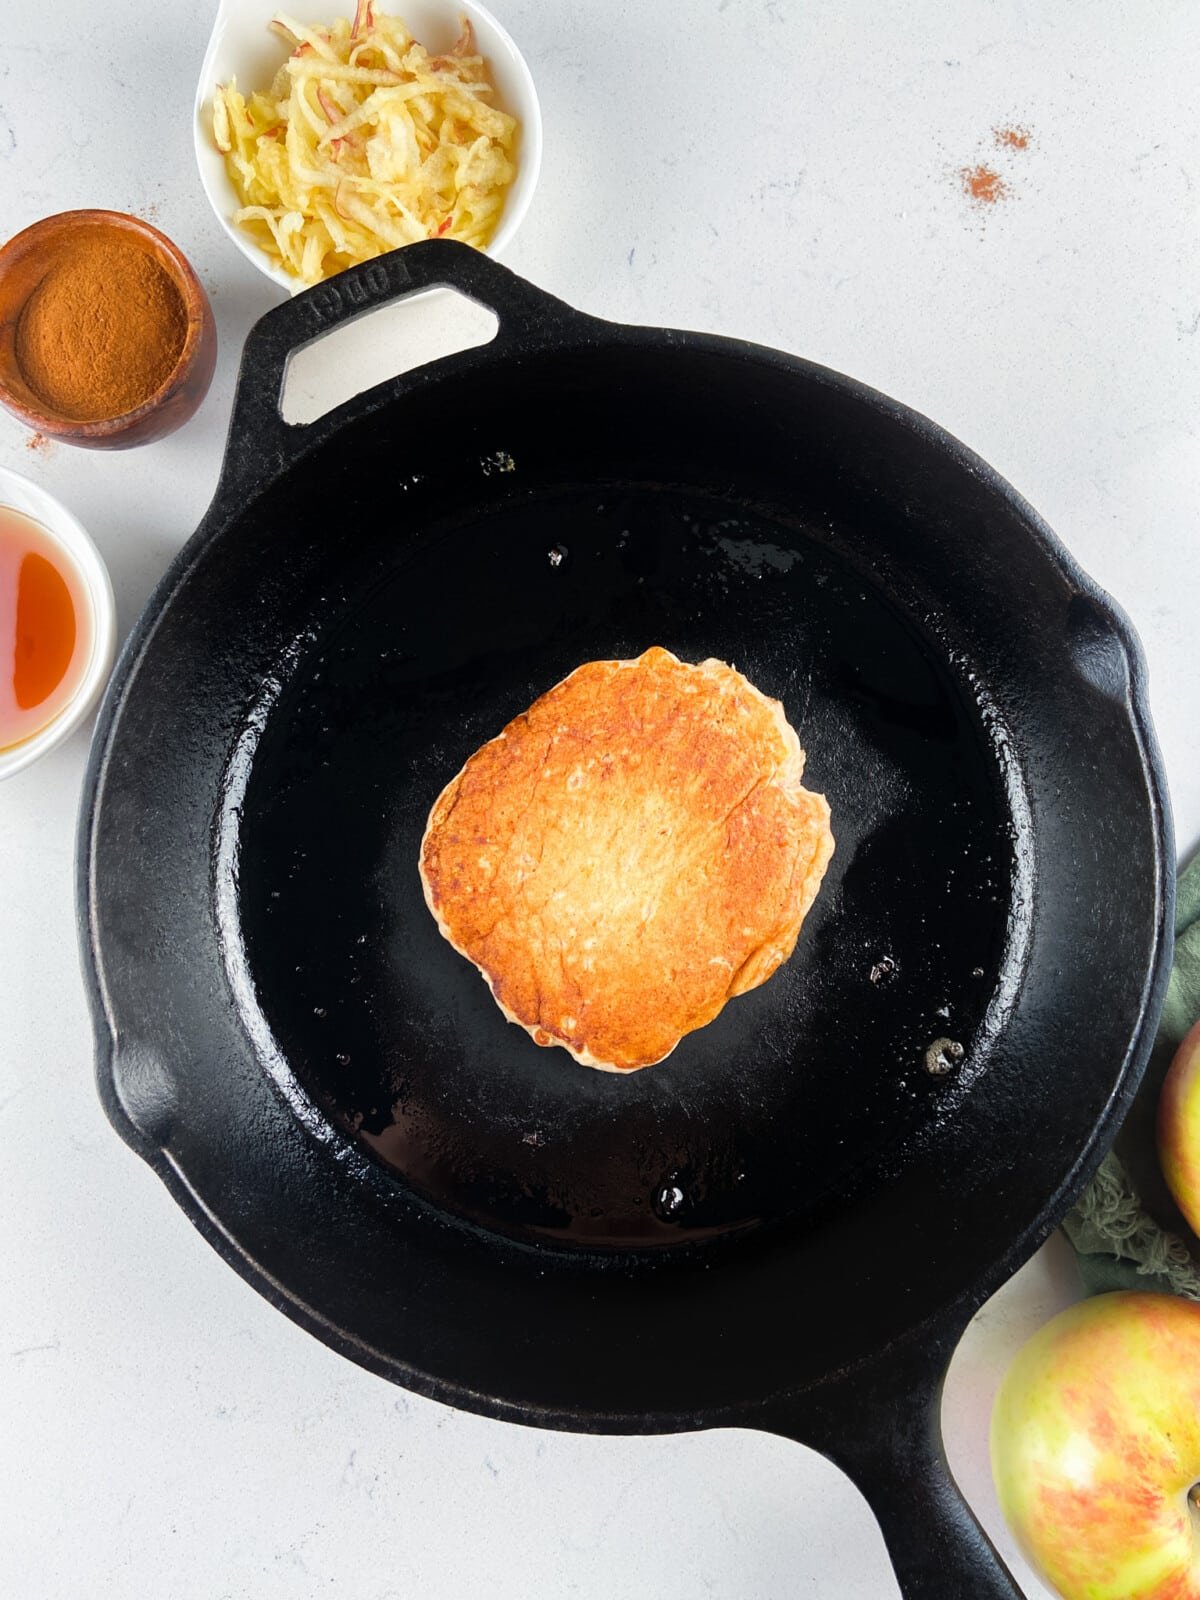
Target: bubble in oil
point(668, 1202)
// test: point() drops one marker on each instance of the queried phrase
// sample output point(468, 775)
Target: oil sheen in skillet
point(397, 1039)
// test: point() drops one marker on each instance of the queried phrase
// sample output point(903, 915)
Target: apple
point(1096, 1449)
point(1179, 1128)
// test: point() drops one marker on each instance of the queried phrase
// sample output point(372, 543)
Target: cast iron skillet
point(787, 1224)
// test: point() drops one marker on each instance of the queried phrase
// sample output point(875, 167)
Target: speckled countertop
point(801, 174)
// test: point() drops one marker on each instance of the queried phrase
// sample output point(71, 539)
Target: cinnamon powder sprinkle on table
point(982, 185)
point(1013, 138)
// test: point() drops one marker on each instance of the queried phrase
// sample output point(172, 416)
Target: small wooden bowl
point(24, 261)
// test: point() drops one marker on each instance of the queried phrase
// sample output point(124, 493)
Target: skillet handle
point(879, 1422)
point(261, 443)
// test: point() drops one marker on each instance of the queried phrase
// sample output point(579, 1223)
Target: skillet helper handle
point(261, 443)
point(879, 1422)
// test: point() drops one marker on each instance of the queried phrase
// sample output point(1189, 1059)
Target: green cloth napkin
point(1126, 1229)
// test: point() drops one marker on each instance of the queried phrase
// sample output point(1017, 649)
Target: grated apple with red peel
point(383, 144)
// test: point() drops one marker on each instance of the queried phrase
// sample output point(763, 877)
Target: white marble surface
point(787, 172)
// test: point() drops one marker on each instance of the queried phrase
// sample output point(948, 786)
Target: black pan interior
point(432, 644)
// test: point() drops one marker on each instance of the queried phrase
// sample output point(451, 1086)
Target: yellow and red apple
point(1179, 1128)
point(1096, 1449)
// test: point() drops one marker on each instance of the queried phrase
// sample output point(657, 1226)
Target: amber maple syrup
point(45, 628)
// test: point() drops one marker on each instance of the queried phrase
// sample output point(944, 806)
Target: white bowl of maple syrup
point(58, 624)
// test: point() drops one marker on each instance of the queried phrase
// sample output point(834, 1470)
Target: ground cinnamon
point(102, 331)
point(983, 185)
point(1013, 138)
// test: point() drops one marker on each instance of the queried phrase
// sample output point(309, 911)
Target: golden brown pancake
point(629, 854)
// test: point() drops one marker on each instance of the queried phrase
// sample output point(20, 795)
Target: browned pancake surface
point(628, 854)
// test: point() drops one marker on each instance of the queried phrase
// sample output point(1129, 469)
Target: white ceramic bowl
point(241, 46)
point(21, 495)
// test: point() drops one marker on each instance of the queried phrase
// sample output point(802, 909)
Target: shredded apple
point(365, 142)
